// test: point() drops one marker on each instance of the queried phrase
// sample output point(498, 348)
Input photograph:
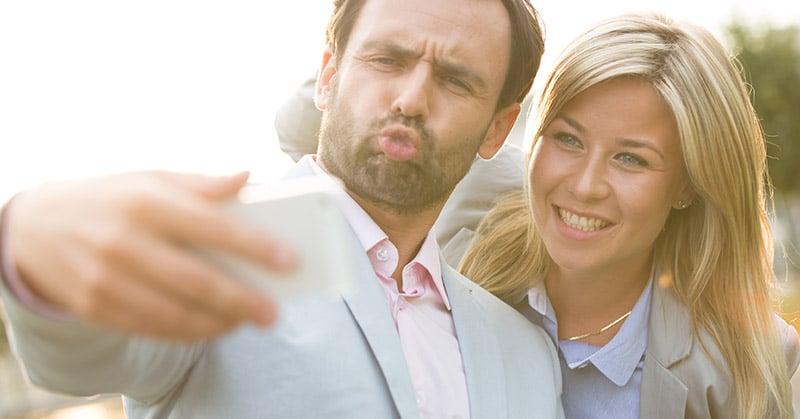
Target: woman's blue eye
point(567, 139)
point(632, 160)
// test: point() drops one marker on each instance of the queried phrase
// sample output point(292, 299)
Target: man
point(105, 297)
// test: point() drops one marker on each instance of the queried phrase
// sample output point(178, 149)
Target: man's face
point(412, 100)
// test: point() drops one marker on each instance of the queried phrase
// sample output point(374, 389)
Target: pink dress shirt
point(421, 313)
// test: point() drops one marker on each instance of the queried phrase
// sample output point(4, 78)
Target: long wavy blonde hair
point(718, 252)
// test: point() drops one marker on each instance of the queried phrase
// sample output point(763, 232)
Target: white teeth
point(581, 223)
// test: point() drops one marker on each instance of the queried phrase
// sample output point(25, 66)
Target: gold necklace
point(602, 329)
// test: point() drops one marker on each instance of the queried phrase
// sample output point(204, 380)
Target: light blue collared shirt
point(599, 382)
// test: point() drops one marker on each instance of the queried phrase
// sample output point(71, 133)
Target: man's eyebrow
point(461, 71)
point(443, 66)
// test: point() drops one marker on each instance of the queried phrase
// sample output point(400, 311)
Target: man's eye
point(457, 83)
point(385, 61)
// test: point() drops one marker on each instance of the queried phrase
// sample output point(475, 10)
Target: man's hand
point(117, 251)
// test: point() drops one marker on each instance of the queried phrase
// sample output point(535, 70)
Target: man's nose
point(413, 94)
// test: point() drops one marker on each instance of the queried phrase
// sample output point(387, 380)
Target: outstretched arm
point(116, 251)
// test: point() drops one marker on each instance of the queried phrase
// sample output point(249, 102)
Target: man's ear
point(498, 131)
point(325, 79)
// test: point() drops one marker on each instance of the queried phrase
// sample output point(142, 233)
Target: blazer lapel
point(663, 395)
point(367, 304)
point(669, 340)
point(480, 353)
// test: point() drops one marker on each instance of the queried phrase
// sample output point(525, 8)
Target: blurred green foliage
point(770, 57)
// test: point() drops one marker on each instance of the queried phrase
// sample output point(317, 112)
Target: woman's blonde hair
point(718, 252)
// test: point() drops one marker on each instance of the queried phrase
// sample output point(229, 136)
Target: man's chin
point(391, 195)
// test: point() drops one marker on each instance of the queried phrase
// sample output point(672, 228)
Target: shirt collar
point(620, 357)
point(370, 234)
point(428, 259)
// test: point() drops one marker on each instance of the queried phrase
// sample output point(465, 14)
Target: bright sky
point(92, 86)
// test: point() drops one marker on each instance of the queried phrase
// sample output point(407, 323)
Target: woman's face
point(604, 177)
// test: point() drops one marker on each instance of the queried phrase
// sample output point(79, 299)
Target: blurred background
point(95, 87)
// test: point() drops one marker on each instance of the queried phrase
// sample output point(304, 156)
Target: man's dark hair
point(527, 43)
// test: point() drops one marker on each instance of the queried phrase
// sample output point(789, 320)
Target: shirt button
point(382, 255)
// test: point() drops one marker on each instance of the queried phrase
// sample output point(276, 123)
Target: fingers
point(123, 302)
point(212, 228)
point(179, 273)
point(114, 251)
point(194, 220)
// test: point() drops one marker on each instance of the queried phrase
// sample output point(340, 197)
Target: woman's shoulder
point(675, 345)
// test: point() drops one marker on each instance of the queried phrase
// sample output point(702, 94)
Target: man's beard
point(405, 187)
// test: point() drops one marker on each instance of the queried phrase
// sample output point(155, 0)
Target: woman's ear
point(686, 197)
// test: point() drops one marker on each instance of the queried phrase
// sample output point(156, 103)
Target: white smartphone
point(305, 214)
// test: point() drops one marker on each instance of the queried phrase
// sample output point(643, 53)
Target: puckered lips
point(398, 142)
point(584, 223)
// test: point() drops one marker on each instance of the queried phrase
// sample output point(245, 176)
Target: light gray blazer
point(326, 358)
point(679, 379)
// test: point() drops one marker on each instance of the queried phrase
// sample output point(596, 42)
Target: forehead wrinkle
point(391, 46)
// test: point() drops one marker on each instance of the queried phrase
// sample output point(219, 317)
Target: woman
point(646, 247)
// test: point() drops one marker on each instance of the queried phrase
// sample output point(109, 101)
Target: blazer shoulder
point(684, 366)
point(524, 356)
point(503, 318)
